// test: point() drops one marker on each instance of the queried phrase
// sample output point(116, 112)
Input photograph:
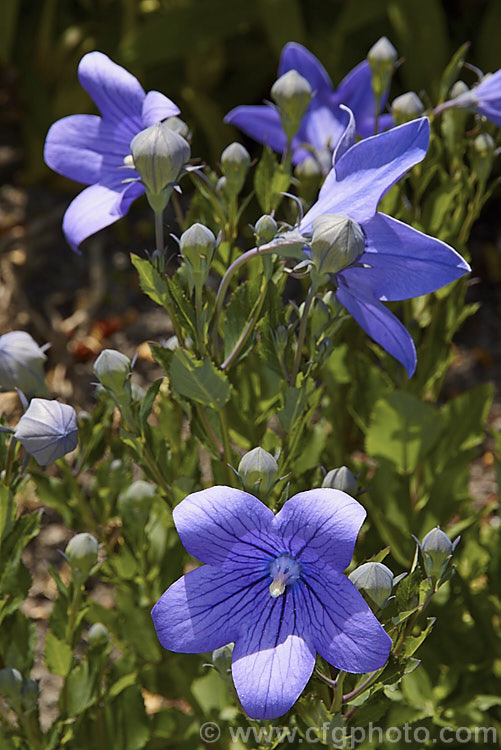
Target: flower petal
point(74, 148)
point(367, 171)
point(204, 609)
point(117, 93)
point(296, 57)
point(378, 322)
point(94, 208)
point(343, 629)
point(157, 107)
point(366, 125)
point(322, 126)
point(355, 90)
point(403, 262)
point(221, 523)
point(261, 122)
point(272, 661)
point(348, 136)
point(321, 525)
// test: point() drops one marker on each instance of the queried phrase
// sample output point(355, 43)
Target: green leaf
point(58, 655)
point(79, 690)
point(7, 507)
point(402, 429)
point(152, 283)
point(412, 643)
point(239, 312)
point(452, 71)
point(465, 418)
point(148, 401)
point(270, 179)
point(295, 402)
point(198, 380)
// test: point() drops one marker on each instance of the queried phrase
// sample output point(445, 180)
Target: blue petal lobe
point(272, 659)
point(116, 92)
point(343, 629)
point(348, 136)
point(260, 122)
point(204, 609)
point(379, 323)
point(355, 90)
point(403, 262)
point(157, 107)
point(296, 57)
point(367, 171)
point(74, 148)
point(320, 526)
point(222, 523)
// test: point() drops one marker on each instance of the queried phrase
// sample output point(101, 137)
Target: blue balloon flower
point(485, 98)
point(274, 586)
point(91, 149)
point(47, 430)
point(21, 363)
point(324, 121)
point(398, 262)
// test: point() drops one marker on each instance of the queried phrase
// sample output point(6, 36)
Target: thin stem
point(302, 333)
point(223, 286)
point(198, 316)
point(337, 700)
point(226, 445)
point(365, 684)
point(159, 231)
point(247, 330)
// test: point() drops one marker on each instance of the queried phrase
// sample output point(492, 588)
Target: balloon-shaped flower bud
point(30, 693)
point(374, 580)
point(98, 635)
point(135, 503)
point(178, 126)
point(235, 162)
point(382, 57)
point(11, 682)
point(341, 479)
point(113, 369)
point(221, 658)
point(459, 88)
point(21, 363)
point(47, 430)
point(437, 550)
point(81, 552)
point(159, 156)
point(292, 93)
point(265, 229)
point(406, 107)
point(482, 152)
point(336, 243)
point(310, 172)
point(197, 246)
point(258, 471)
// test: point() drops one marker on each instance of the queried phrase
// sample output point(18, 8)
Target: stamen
point(284, 571)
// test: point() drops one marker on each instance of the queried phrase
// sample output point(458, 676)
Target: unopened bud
point(265, 229)
point(178, 126)
point(258, 471)
point(47, 430)
point(21, 363)
point(98, 635)
point(235, 162)
point(382, 57)
point(159, 155)
point(81, 552)
point(375, 580)
point(341, 479)
point(292, 93)
point(458, 89)
point(336, 243)
point(406, 107)
point(437, 550)
point(134, 504)
point(112, 368)
point(221, 660)
point(309, 173)
point(197, 247)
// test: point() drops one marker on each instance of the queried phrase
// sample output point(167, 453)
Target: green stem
point(226, 445)
point(198, 316)
point(337, 700)
point(302, 333)
point(159, 231)
point(363, 686)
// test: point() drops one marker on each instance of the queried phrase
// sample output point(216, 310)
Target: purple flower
point(398, 262)
point(324, 122)
point(274, 586)
point(47, 430)
point(21, 362)
point(484, 98)
point(90, 149)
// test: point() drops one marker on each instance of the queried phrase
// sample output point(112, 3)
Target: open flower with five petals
point(324, 122)
point(273, 585)
point(92, 149)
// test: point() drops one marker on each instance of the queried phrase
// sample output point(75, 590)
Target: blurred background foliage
point(211, 55)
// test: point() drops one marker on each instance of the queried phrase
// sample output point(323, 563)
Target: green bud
point(265, 229)
point(258, 471)
point(341, 479)
point(437, 550)
point(336, 243)
point(309, 172)
point(459, 88)
point(375, 580)
point(11, 682)
point(30, 692)
point(112, 368)
point(159, 155)
point(292, 93)
point(98, 635)
point(406, 107)
point(482, 153)
point(135, 503)
point(484, 145)
point(81, 552)
point(221, 658)
point(197, 246)
point(235, 162)
point(382, 57)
